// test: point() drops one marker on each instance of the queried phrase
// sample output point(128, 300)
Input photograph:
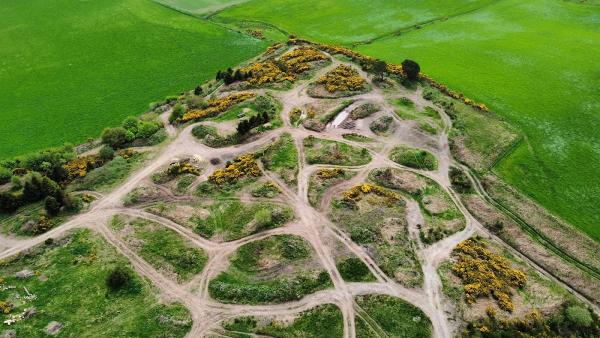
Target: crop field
point(345, 22)
point(528, 61)
point(106, 60)
point(199, 7)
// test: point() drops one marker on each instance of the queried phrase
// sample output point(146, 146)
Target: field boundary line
point(415, 26)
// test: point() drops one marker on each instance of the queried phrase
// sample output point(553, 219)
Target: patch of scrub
point(276, 269)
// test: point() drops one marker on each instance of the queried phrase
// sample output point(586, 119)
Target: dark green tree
point(10, 201)
point(379, 69)
point(411, 69)
point(51, 205)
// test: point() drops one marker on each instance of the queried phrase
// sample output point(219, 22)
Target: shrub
point(106, 153)
point(244, 165)
point(411, 69)
point(131, 124)
point(414, 158)
point(177, 112)
point(578, 316)
point(115, 137)
point(16, 183)
point(217, 106)
point(146, 129)
point(52, 206)
point(5, 175)
point(354, 270)
point(121, 278)
point(460, 181)
point(485, 273)
point(10, 201)
point(363, 111)
point(381, 125)
point(341, 79)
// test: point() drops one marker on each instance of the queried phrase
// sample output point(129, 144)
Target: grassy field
point(70, 288)
point(65, 77)
point(344, 22)
point(199, 7)
point(162, 247)
point(539, 75)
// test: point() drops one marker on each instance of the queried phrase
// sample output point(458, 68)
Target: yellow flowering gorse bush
point(355, 193)
point(242, 166)
point(298, 60)
point(216, 106)
point(342, 78)
point(80, 166)
point(485, 273)
point(287, 68)
point(266, 72)
point(329, 173)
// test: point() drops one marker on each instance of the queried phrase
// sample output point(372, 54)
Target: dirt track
point(310, 223)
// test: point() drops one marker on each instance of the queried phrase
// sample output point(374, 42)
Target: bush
point(381, 125)
point(72, 203)
point(16, 183)
point(363, 111)
point(105, 175)
point(10, 201)
point(411, 69)
point(578, 316)
point(121, 278)
point(37, 187)
point(354, 270)
point(52, 206)
point(131, 124)
point(177, 112)
point(5, 175)
point(107, 153)
point(146, 129)
point(460, 181)
point(414, 158)
point(115, 137)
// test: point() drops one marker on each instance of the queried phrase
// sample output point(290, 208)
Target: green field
point(199, 7)
point(65, 77)
point(531, 62)
point(344, 22)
